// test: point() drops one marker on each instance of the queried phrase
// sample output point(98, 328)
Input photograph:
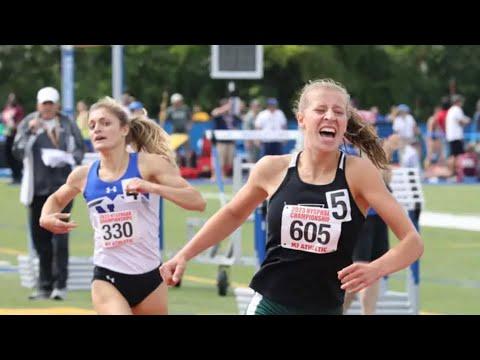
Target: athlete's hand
point(57, 223)
point(358, 276)
point(172, 271)
point(136, 186)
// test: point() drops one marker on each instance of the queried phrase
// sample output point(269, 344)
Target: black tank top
point(311, 233)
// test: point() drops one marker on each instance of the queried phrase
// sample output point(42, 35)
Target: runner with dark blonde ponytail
point(122, 191)
point(317, 201)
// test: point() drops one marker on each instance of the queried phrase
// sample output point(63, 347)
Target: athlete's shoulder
point(354, 162)
point(80, 171)
point(148, 158)
point(269, 166)
point(78, 177)
point(274, 162)
point(155, 165)
point(360, 171)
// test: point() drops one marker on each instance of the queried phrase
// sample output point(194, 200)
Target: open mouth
point(99, 138)
point(328, 132)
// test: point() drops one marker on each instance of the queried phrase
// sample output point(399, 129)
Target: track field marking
point(202, 280)
point(450, 221)
point(47, 311)
point(10, 251)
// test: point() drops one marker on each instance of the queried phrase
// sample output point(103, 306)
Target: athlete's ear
point(300, 120)
point(125, 130)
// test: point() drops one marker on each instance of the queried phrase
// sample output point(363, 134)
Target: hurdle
point(233, 254)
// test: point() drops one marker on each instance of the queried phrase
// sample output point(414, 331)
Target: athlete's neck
point(315, 164)
point(113, 163)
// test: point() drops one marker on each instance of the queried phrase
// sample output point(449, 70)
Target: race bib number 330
point(116, 228)
point(310, 228)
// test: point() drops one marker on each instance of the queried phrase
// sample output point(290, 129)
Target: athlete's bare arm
point(52, 219)
point(368, 189)
point(163, 178)
point(265, 175)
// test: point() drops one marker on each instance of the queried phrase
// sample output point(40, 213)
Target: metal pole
point(160, 228)
point(260, 235)
point(68, 94)
point(414, 284)
point(117, 72)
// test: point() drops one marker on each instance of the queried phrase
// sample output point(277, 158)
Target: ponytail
point(146, 135)
point(364, 136)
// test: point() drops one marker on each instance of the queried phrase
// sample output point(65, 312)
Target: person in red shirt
point(11, 116)
point(442, 114)
point(434, 140)
point(468, 164)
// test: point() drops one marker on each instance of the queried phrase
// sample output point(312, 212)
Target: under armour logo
point(111, 189)
point(111, 279)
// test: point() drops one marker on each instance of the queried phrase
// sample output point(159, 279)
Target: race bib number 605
point(309, 228)
point(116, 228)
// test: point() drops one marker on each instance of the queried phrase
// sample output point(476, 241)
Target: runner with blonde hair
point(318, 199)
point(122, 190)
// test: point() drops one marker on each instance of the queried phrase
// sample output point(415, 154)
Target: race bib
point(116, 228)
point(339, 202)
point(310, 228)
point(129, 197)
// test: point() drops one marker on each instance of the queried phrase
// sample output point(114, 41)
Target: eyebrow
point(334, 106)
point(99, 119)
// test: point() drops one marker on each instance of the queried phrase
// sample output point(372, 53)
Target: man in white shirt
point(406, 127)
point(454, 124)
point(410, 158)
point(271, 119)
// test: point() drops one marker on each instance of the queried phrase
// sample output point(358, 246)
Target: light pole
point(68, 80)
point(68, 75)
point(117, 72)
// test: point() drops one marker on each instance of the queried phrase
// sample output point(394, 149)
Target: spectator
point(406, 127)
point(468, 164)
point(476, 123)
point(12, 114)
point(410, 157)
point(271, 119)
point(127, 99)
point(252, 146)
point(434, 139)
point(82, 123)
point(199, 115)
point(162, 114)
point(225, 120)
point(136, 109)
point(369, 116)
point(442, 114)
point(45, 171)
point(392, 114)
point(404, 124)
point(179, 114)
point(455, 122)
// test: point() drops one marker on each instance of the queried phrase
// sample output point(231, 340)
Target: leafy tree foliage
point(380, 75)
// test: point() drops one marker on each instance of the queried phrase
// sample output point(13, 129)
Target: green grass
point(450, 281)
point(455, 199)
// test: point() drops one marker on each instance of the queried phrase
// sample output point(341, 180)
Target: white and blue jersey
point(126, 226)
